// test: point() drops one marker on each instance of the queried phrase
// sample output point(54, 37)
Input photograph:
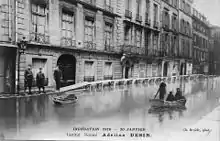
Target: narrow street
point(122, 107)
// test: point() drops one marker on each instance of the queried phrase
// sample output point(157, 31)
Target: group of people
point(162, 92)
point(40, 79)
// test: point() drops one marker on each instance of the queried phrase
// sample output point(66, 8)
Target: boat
point(61, 100)
point(168, 104)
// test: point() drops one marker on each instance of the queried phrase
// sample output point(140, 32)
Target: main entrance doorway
point(67, 64)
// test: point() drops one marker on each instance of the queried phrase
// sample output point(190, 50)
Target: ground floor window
point(142, 70)
point(108, 74)
point(89, 71)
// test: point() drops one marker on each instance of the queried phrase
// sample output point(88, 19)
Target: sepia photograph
point(110, 70)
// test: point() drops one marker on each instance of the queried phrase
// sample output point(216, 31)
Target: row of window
point(200, 41)
point(200, 55)
point(40, 26)
point(186, 7)
point(185, 27)
point(199, 27)
point(166, 20)
point(174, 3)
point(90, 71)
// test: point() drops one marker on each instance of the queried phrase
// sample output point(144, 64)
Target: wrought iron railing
point(128, 14)
point(156, 24)
point(68, 42)
point(108, 8)
point(89, 45)
point(138, 18)
point(89, 78)
point(108, 77)
point(92, 2)
point(39, 38)
point(109, 48)
point(131, 49)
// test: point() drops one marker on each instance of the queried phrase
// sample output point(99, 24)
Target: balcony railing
point(138, 18)
point(108, 8)
point(89, 45)
point(128, 14)
point(108, 77)
point(147, 20)
point(39, 38)
point(109, 48)
point(156, 24)
point(68, 42)
point(92, 2)
point(89, 78)
point(131, 49)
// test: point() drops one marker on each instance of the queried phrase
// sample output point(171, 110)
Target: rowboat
point(61, 100)
point(167, 104)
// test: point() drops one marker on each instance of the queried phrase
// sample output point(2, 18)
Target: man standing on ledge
point(28, 78)
point(40, 80)
point(57, 77)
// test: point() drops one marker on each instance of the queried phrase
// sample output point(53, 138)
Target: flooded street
point(121, 107)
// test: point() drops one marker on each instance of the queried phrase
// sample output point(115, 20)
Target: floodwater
point(121, 107)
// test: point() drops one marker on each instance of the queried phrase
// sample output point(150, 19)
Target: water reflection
point(123, 106)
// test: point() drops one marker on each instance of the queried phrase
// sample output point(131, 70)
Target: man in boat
point(170, 97)
point(179, 95)
point(40, 80)
point(161, 91)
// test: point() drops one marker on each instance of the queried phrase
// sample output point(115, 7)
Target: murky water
point(39, 118)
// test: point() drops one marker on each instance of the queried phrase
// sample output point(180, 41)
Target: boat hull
point(58, 101)
point(167, 104)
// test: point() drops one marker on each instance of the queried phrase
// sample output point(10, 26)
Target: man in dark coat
point(28, 78)
point(170, 97)
point(179, 95)
point(57, 77)
point(40, 78)
point(161, 91)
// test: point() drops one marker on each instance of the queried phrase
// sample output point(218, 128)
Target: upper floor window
point(39, 19)
point(68, 32)
point(138, 35)
point(155, 12)
point(108, 34)
point(127, 34)
point(128, 4)
point(89, 31)
point(138, 4)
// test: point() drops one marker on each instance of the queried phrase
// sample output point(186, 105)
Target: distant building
point(215, 34)
point(201, 44)
point(185, 36)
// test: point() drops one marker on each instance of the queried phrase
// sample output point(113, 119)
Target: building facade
point(8, 46)
point(140, 37)
point(185, 36)
point(215, 34)
point(81, 37)
point(170, 38)
point(201, 43)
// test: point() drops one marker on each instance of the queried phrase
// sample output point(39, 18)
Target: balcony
point(108, 8)
point(109, 48)
point(153, 53)
point(108, 77)
point(138, 18)
point(131, 49)
point(89, 78)
point(156, 24)
point(68, 42)
point(147, 20)
point(91, 2)
point(128, 14)
point(39, 38)
point(89, 45)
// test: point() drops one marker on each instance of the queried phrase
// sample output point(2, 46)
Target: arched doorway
point(165, 69)
point(67, 64)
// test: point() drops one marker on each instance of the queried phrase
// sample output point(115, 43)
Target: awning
point(8, 45)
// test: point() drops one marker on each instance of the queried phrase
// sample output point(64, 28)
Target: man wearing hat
point(28, 78)
point(40, 78)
